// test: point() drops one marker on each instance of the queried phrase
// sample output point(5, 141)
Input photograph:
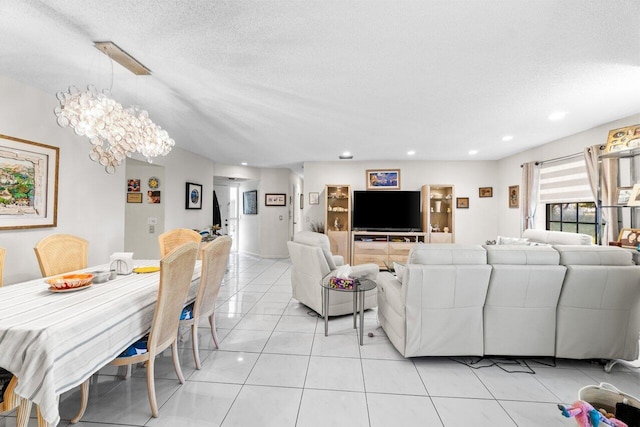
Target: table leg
point(325, 302)
point(355, 309)
point(361, 317)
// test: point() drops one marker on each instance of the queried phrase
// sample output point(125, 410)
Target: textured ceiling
point(277, 83)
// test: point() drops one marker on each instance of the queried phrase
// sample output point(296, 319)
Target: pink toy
point(587, 416)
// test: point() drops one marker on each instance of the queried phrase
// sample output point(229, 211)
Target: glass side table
point(358, 291)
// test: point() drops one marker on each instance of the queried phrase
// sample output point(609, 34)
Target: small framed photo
point(462, 202)
point(628, 238)
point(275, 199)
point(485, 192)
point(193, 196)
point(514, 196)
point(134, 197)
point(623, 194)
point(133, 185)
point(383, 179)
point(153, 197)
point(634, 197)
point(314, 198)
point(250, 202)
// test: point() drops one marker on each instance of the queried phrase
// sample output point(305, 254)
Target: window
point(575, 217)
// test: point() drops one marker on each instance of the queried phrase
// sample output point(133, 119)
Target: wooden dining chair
point(178, 236)
point(176, 270)
point(61, 253)
point(214, 263)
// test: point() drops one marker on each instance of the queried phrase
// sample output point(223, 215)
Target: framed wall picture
point(153, 197)
point(623, 194)
point(134, 197)
point(628, 238)
point(193, 199)
point(133, 185)
point(271, 199)
point(485, 192)
point(462, 202)
point(250, 202)
point(383, 179)
point(29, 190)
point(314, 198)
point(634, 197)
point(514, 196)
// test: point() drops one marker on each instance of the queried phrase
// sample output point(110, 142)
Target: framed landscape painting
point(28, 184)
point(383, 179)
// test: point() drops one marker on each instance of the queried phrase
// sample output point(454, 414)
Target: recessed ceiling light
point(473, 152)
point(411, 153)
point(558, 115)
point(346, 156)
point(507, 138)
point(244, 163)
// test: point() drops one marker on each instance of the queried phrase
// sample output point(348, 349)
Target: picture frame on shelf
point(193, 196)
point(134, 197)
point(271, 199)
point(462, 202)
point(383, 179)
point(485, 192)
point(623, 194)
point(634, 198)
point(250, 202)
point(628, 237)
point(32, 195)
point(314, 198)
point(514, 196)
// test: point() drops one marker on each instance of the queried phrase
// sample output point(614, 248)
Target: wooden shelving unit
point(337, 218)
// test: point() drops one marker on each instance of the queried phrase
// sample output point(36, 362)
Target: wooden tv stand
point(380, 247)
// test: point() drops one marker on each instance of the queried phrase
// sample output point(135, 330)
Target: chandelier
point(114, 132)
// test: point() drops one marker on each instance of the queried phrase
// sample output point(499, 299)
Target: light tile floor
point(276, 368)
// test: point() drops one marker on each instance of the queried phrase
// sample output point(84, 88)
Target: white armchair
point(311, 260)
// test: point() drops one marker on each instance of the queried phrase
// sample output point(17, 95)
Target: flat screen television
point(386, 211)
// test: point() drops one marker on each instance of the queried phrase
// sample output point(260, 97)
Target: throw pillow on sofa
point(512, 241)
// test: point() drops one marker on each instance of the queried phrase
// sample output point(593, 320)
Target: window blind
point(565, 181)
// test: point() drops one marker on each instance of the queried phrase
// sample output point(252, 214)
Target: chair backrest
point(319, 240)
point(214, 263)
point(2, 254)
point(176, 271)
point(61, 253)
point(178, 236)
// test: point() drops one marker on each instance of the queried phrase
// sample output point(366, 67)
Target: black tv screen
point(386, 210)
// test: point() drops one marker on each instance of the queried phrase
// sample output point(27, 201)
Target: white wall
point(137, 238)
point(274, 220)
point(90, 202)
point(474, 225)
point(510, 173)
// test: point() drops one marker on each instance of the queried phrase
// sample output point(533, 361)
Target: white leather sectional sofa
point(567, 301)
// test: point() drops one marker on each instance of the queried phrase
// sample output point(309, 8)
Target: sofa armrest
point(365, 271)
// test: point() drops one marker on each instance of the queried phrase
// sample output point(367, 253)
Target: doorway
point(227, 195)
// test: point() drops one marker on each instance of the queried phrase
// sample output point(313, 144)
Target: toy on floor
point(587, 416)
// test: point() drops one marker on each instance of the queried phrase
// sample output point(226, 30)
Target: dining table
point(54, 341)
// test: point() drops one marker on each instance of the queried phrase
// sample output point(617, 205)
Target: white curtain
point(530, 184)
point(609, 182)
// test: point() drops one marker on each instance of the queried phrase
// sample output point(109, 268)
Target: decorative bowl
point(101, 276)
point(70, 281)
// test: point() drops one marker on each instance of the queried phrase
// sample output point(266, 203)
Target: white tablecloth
point(54, 341)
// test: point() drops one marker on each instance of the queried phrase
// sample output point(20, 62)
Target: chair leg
point(194, 343)
point(151, 388)
point(127, 373)
point(41, 421)
point(24, 410)
point(212, 322)
point(176, 362)
point(84, 398)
